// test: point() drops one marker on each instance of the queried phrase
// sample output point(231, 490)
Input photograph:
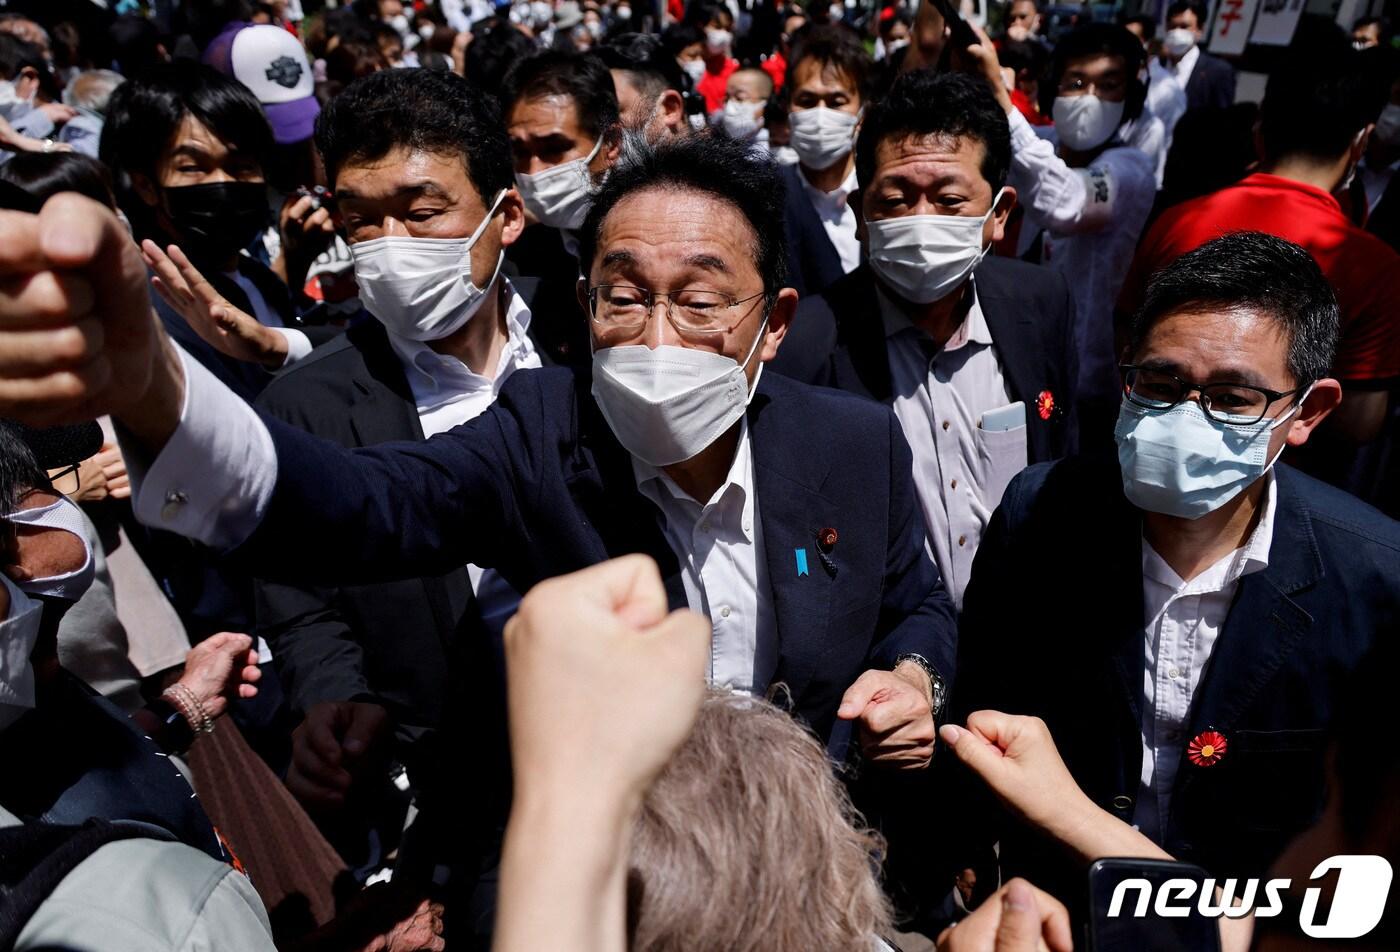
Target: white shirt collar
point(1187, 65)
point(652, 481)
point(833, 201)
point(973, 328)
point(432, 373)
point(1249, 558)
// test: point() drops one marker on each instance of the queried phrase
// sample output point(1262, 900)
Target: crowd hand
point(78, 336)
point(219, 668)
point(385, 917)
point(1016, 758)
point(327, 746)
point(980, 59)
point(1018, 918)
point(894, 714)
point(109, 458)
point(228, 329)
point(307, 230)
point(601, 714)
point(58, 112)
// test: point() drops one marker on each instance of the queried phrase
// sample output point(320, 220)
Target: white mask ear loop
point(1279, 421)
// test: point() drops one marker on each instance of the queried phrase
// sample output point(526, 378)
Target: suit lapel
point(788, 479)
point(1264, 624)
point(862, 331)
point(1013, 339)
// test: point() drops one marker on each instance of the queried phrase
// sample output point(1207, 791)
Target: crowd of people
point(596, 475)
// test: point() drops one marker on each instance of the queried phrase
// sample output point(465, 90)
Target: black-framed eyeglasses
point(1234, 404)
point(65, 481)
point(622, 308)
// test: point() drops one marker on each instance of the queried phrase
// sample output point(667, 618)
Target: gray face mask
point(64, 515)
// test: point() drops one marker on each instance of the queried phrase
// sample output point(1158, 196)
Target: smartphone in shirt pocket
point(1001, 449)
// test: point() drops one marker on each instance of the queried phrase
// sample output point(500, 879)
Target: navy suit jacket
point(838, 340)
point(1212, 84)
point(538, 486)
point(812, 259)
point(1052, 625)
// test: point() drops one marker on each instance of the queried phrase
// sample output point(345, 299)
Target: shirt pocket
point(1001, 454)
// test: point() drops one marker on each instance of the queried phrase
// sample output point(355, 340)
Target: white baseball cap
point(273, 64)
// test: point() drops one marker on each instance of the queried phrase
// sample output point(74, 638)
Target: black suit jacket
point(392, 642)
point(838, 340)
point(812, 259)
point(1052, 625)
point(537, 486)
point(1212, 84)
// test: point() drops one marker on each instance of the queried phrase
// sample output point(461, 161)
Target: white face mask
point(11, 105)
point(717, 41)
point(925, 257)
point(894, 46)
point(623, 13)
point(695, 69)
point(1387, 129)
point(785, 155)
point(667, 404)
point(742, 120)
point(64, 515)
point(822, 136)
point(422, 288)
point(1178, 42)
point(18, 635)
point(559, 196)
point(1086, 122)
point(400, 25)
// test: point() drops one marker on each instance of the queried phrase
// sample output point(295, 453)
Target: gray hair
point(91, 90)
point(747, 841)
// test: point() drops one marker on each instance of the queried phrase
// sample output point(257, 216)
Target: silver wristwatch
point(935, 680)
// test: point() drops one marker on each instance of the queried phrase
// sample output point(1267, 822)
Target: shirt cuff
point(298, 344)
point(214, 479)
point(1022, 135)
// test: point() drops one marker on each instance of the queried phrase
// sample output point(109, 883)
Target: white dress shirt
point(1180, 71)
point(298, 344)
point(720, 549)
point(1166, 94)
point(1090, 220)
point(940, 395)
point(448, 393)
point(837, 217)
point(1181, 622)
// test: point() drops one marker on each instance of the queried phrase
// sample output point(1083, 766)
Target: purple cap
point(273, 65)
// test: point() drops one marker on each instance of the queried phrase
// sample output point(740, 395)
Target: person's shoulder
point(1337, 513)
point(1130, 166)
point(1012, 276)
point(835, 409)
point(551, 393)
point(328, 371)
point(147, 895)
point(1059, 487)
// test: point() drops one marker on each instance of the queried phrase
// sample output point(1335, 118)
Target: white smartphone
point(1005, 418)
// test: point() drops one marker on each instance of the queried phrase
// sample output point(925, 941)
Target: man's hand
point(78, 337)
point(895, 714)
point(228, 329)
point(980, 59)
point(307, 230)
point(1018, 918)
point(328, 745)
point(58, 112)
point(601, 714)
point(221, 667)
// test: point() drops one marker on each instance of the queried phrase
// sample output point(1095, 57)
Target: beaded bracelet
point(191, 707)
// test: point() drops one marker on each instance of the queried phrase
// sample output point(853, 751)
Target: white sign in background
point(1277, 22)
point(1233, 20)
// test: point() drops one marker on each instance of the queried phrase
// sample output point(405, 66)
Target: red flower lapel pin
point(1207, 748)
point(1045, 404)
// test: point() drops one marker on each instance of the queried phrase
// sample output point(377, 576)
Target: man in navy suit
point(974, 353)
point(785, 513)
point(1208, 81)
point(1180, 617)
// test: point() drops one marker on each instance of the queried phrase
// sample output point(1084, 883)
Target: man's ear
point(1325, 396)
point(512, 217)
point(144, 188)
point(581, 292)
point(1001, 213)
point(779, 320)
point(673, 110)
point(857, 202)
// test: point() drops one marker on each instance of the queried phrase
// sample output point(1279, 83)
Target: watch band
point(938, 688)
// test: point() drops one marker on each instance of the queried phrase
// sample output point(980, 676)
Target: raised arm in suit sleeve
point(916, 613)
point(1066, 200)
point(318, 656)
point(293, 506)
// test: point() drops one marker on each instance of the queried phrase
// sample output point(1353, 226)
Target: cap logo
point(285, 71)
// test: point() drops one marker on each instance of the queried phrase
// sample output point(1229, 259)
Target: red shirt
point(712, 85)
point(1030, 110)
point(1363, 270)
point(776, 68)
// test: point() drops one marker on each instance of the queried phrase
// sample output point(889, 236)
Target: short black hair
point(581, 76)
point(1198, 7)
point(1316, 106)
point(644, 59)
point(144, 114)
point(16, 54)
point(700, 12)
point(43, 174)
point(1148, 24)
point(834, 46)
point(491, 53)
point(19, 473)
point(678, 36)
point(928, 104)
point(136, 44)
point(715, 165)
point(1093, 39)
point(1026, 55)
point(417, 109)
point(1264, 273)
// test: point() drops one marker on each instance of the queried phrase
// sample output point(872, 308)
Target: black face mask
point(219, 219)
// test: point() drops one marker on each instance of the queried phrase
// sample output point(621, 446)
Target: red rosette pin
point(1045, 404)
point(1207, 748)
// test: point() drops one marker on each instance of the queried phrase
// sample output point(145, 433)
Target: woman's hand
point(219, 668)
